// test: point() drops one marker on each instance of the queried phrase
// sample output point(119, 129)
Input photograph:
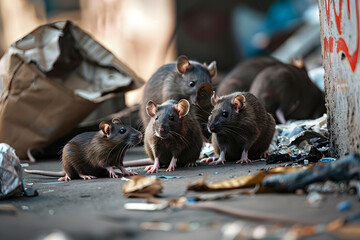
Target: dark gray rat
point(240, 127)
point(177, 80)
point(288, 93)
point(242, 75)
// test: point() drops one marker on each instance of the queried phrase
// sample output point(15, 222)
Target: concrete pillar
point(340, 40)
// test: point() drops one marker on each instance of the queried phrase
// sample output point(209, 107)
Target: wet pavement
point(94, 209)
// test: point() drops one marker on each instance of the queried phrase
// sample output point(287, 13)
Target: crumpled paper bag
point(51, 80)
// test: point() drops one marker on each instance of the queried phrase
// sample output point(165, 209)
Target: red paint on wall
point(328, 48)
point(342, 46)
point(327, 9)
point(338, 17)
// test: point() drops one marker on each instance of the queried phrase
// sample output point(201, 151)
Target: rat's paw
point(170, 169)
point(151, 169)
point(63, 179)
point(208, 160)
point(87, 177)
point(218, 162)
point(242, 161)
point(112, 173)
point(191, 165)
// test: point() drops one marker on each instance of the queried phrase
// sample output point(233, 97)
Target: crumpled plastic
point(11, 180)
point(10, 172)
point(304, 139)
point(342, 170)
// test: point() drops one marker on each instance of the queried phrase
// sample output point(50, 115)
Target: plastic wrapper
point(10, 172)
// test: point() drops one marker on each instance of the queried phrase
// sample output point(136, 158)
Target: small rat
point(93, 154)
point(240, 127)
point(173, 135)
point(243, 74)
point(288, 93)
point(177, 80)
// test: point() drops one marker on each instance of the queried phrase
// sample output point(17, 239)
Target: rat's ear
point(183, 64)
point(151, 108)
point(214, 98)
point(238, 102)
point(299, 63)
point(106, 128)
point(116, 121)
point(183, 107)
point(212, 69)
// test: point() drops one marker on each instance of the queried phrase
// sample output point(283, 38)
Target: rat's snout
point(160, 132)
point(214, 128)
point(136, 138)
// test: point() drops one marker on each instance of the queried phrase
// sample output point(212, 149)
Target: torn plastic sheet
point(342, 170)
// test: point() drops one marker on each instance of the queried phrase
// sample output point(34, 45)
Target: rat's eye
point(122, 131)
point(192, 84)
point(171, 118)
point(225, 114)
point(157, 117)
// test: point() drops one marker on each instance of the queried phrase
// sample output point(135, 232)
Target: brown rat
point(243, 74)
point(93, 154)
point(177, 80)
point(203, 107)
point(288, 93)
point(240, 127)
point(173, 135)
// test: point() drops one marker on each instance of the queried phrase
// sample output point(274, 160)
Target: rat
point(243, 74)
point(177, 80)
point(173, 136)
point(240, 127)
point(93, 154)
point(288, 93)
point(203, 107)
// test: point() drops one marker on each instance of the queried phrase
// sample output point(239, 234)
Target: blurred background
point(147, 34)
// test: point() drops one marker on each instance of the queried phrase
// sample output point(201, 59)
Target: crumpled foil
point(11, 183)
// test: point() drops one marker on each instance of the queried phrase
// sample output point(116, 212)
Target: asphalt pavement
point(94, 209)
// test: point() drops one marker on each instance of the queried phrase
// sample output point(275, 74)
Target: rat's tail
point(45, 173)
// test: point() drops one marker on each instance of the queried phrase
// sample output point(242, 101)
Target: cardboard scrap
point(142, 186)
point(51, 79)
point(245, 181)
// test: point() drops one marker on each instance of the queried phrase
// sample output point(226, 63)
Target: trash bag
point(51, 80)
